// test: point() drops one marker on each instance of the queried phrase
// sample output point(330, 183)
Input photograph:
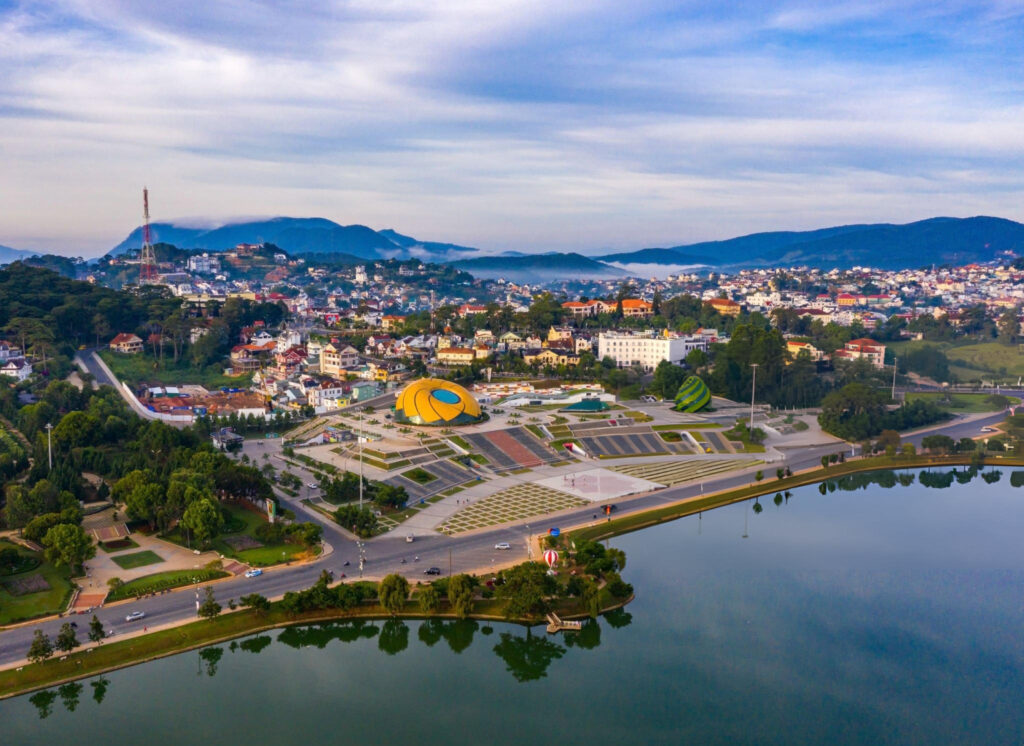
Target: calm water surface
point(877, 615)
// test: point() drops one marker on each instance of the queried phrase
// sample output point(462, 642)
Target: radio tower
point(147, 259)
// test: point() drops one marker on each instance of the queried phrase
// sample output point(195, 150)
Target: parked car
point(135, 616)
point(432, 571)
point(410, 539)
point(253, 573)
point(503, 545)
point(312, 485)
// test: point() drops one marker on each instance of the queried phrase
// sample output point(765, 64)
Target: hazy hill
point(298, 236)
point(888, 246)
point(538, 267)
point(8, 255)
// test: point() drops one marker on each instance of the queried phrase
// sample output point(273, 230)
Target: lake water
point(873, 616)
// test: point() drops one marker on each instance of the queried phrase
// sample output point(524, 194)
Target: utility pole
point(449, 562)
point(753, 383)
point(49, 442)
point(359, 438)
point(893, 396)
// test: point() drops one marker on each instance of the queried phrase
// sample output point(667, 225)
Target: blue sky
point(526, 125)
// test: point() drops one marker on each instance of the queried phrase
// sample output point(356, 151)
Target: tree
point(667, 379)
point(460, 595)
point(758, 475)
point(938, 443)
point(209, 608)
point(66, 639)
point(590, 596)
point(258, 603)
point(96, 631)
point(525, 590)
point(204, 519)
point(67, 544)
point(429, 599)
point(41, 648)
point(393, 591)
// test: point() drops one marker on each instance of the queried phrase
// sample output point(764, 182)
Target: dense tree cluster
point(857, 412)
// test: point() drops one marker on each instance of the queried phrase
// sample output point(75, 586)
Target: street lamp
point(49, 443)
point(753, 383)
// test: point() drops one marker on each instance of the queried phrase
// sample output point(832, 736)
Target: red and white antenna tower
point(147, 259)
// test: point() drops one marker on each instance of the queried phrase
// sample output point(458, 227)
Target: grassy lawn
point(118, 546)
point(244, 523)
point(419, 476)
point(144, 368)
point(990, 357)
point(162, 581)
point(14, 607)
point(137, 559)
point(960, 402)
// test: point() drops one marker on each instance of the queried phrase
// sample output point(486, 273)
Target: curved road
point(385, 553)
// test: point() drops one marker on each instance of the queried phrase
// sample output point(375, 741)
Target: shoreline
point(698, 504)
point(590, 530)
point(64, 667)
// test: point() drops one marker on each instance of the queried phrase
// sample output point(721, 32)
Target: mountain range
point(882, 245)
point(299, 236)
point(8, 255)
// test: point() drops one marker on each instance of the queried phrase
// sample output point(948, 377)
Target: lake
point(875, 613)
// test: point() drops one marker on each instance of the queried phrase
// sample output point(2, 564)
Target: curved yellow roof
point(433, 401)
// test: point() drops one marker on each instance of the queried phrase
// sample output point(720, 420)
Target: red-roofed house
point(129, 344)
point(863, 348)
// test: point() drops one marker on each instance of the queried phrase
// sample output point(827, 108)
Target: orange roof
point(635, 303)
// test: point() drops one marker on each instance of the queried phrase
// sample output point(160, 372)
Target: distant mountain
point(884, 245)
point(538, 267)
point(8, 255)
point(299, 236)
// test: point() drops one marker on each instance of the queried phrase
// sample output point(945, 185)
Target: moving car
point(432, 571)
point(135, 616)
point(253, 573)
point(503, 545)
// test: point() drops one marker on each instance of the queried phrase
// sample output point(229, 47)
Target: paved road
point(455, 554)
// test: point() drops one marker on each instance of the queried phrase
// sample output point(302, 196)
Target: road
point(450, 553)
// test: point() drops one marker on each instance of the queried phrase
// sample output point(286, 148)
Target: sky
point(521, 124)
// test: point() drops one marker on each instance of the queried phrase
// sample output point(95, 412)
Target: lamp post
point(49, 443)
point(753, 383)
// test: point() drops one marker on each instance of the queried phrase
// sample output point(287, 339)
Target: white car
point(503, 545)
point(253, 573)
point(312, 485)
point(135, 616)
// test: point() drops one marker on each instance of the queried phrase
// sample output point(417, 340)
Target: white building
point(204, 264)
point(646, 349)
point(17, 368)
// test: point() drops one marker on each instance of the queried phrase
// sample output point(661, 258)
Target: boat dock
point(555, 624)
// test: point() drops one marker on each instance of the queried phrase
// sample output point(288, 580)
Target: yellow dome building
point(432, 401)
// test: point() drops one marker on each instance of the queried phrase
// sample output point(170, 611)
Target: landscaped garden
point(137, 559)
point(248, 537)
point(30, 587)
point(163, 581)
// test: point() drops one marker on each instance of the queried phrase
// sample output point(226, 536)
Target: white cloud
point(526, 125)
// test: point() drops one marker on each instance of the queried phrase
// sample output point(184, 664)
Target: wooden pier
point(558, 625)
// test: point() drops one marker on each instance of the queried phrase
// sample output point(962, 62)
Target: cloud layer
point(508, 125)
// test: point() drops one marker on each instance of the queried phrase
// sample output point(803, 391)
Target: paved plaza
point(599, 485)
